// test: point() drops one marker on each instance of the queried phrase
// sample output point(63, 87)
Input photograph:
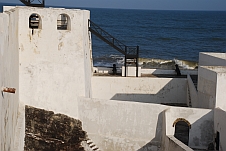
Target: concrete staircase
point(89, 145)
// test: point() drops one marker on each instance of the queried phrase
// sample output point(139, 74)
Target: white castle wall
point(173, 144)
point(9, 77)
point(221, 87)
point(149, 90)
point(212, 59)
point(121, 125)
point(54, 65)
point(207, 82)
point(219, 126)
point(201, 120)
point(211, 87)
point(49, 68)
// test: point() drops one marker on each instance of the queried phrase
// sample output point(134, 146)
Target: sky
point(139, 4)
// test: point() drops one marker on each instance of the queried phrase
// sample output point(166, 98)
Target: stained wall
point(142, 89)
point(212, 59)
point(9, 77)
point(201, 121)
point(121, 125)
point(54, 65)
point(219, 126)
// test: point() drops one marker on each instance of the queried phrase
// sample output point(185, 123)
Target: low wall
point(106, 70)
point(119, 125)
point(212, 59)
point(171, 72)
point(131, 71)
point(207, 82)
point(221, 87)
point(144, 71)
point(173, 144)
point(201, 120)
point(219, 126)
point(148, 90)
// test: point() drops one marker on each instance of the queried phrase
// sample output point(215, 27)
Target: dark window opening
point(63, 22)
point(182, 132)
point(34, 21)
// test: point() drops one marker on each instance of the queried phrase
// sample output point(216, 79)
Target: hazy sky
point(139, 4)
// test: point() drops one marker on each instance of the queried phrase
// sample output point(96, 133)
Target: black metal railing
point(130, 52)
point(39, 3)
point(105, 36)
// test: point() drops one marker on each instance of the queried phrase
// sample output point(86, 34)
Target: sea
point(164, 37)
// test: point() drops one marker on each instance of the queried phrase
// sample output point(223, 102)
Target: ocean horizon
point(165, 37)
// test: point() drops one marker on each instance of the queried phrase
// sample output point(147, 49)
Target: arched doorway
point(182, 127)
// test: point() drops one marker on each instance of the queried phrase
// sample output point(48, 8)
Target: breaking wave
point(108, 61)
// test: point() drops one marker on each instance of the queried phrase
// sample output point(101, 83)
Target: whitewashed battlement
point(47, 63)
point(45, 54)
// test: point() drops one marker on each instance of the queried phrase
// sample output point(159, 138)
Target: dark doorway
point(217, 140)
point(182, 132)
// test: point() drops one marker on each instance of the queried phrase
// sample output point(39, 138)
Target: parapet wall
point(173, 144)
point(148, 90)
point(9, 77)
point(121, 125)
point(201, 122)
point(54, 64)
point(219, 126)
point(212, 59)
point(211, 86)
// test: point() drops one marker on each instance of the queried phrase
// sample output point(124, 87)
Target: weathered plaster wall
point(207, 82)
point(171, 72)
point(201, 120)
point(54, 65)
point(212, 59)
point(219, 125)
point(9, 77)
point(149, 90)
point(173, 144)
point(120, 125)
point(131, 71)
point(221, 87)
point(211, 86)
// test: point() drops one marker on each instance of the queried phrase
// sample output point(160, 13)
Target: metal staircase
point(131, 53)
point(41, 3)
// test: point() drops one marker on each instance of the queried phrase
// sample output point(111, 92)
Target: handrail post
point(137, 59)
point(125, 59)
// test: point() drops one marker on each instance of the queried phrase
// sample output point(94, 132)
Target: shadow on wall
point(155, 143)
point(173, 93)
point(201, 134)
point(205, 127)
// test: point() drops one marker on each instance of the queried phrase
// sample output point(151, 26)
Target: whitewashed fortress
point(47, 63)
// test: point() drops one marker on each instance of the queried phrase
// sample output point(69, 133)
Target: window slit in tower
point(34, 21)
point(62, 22)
